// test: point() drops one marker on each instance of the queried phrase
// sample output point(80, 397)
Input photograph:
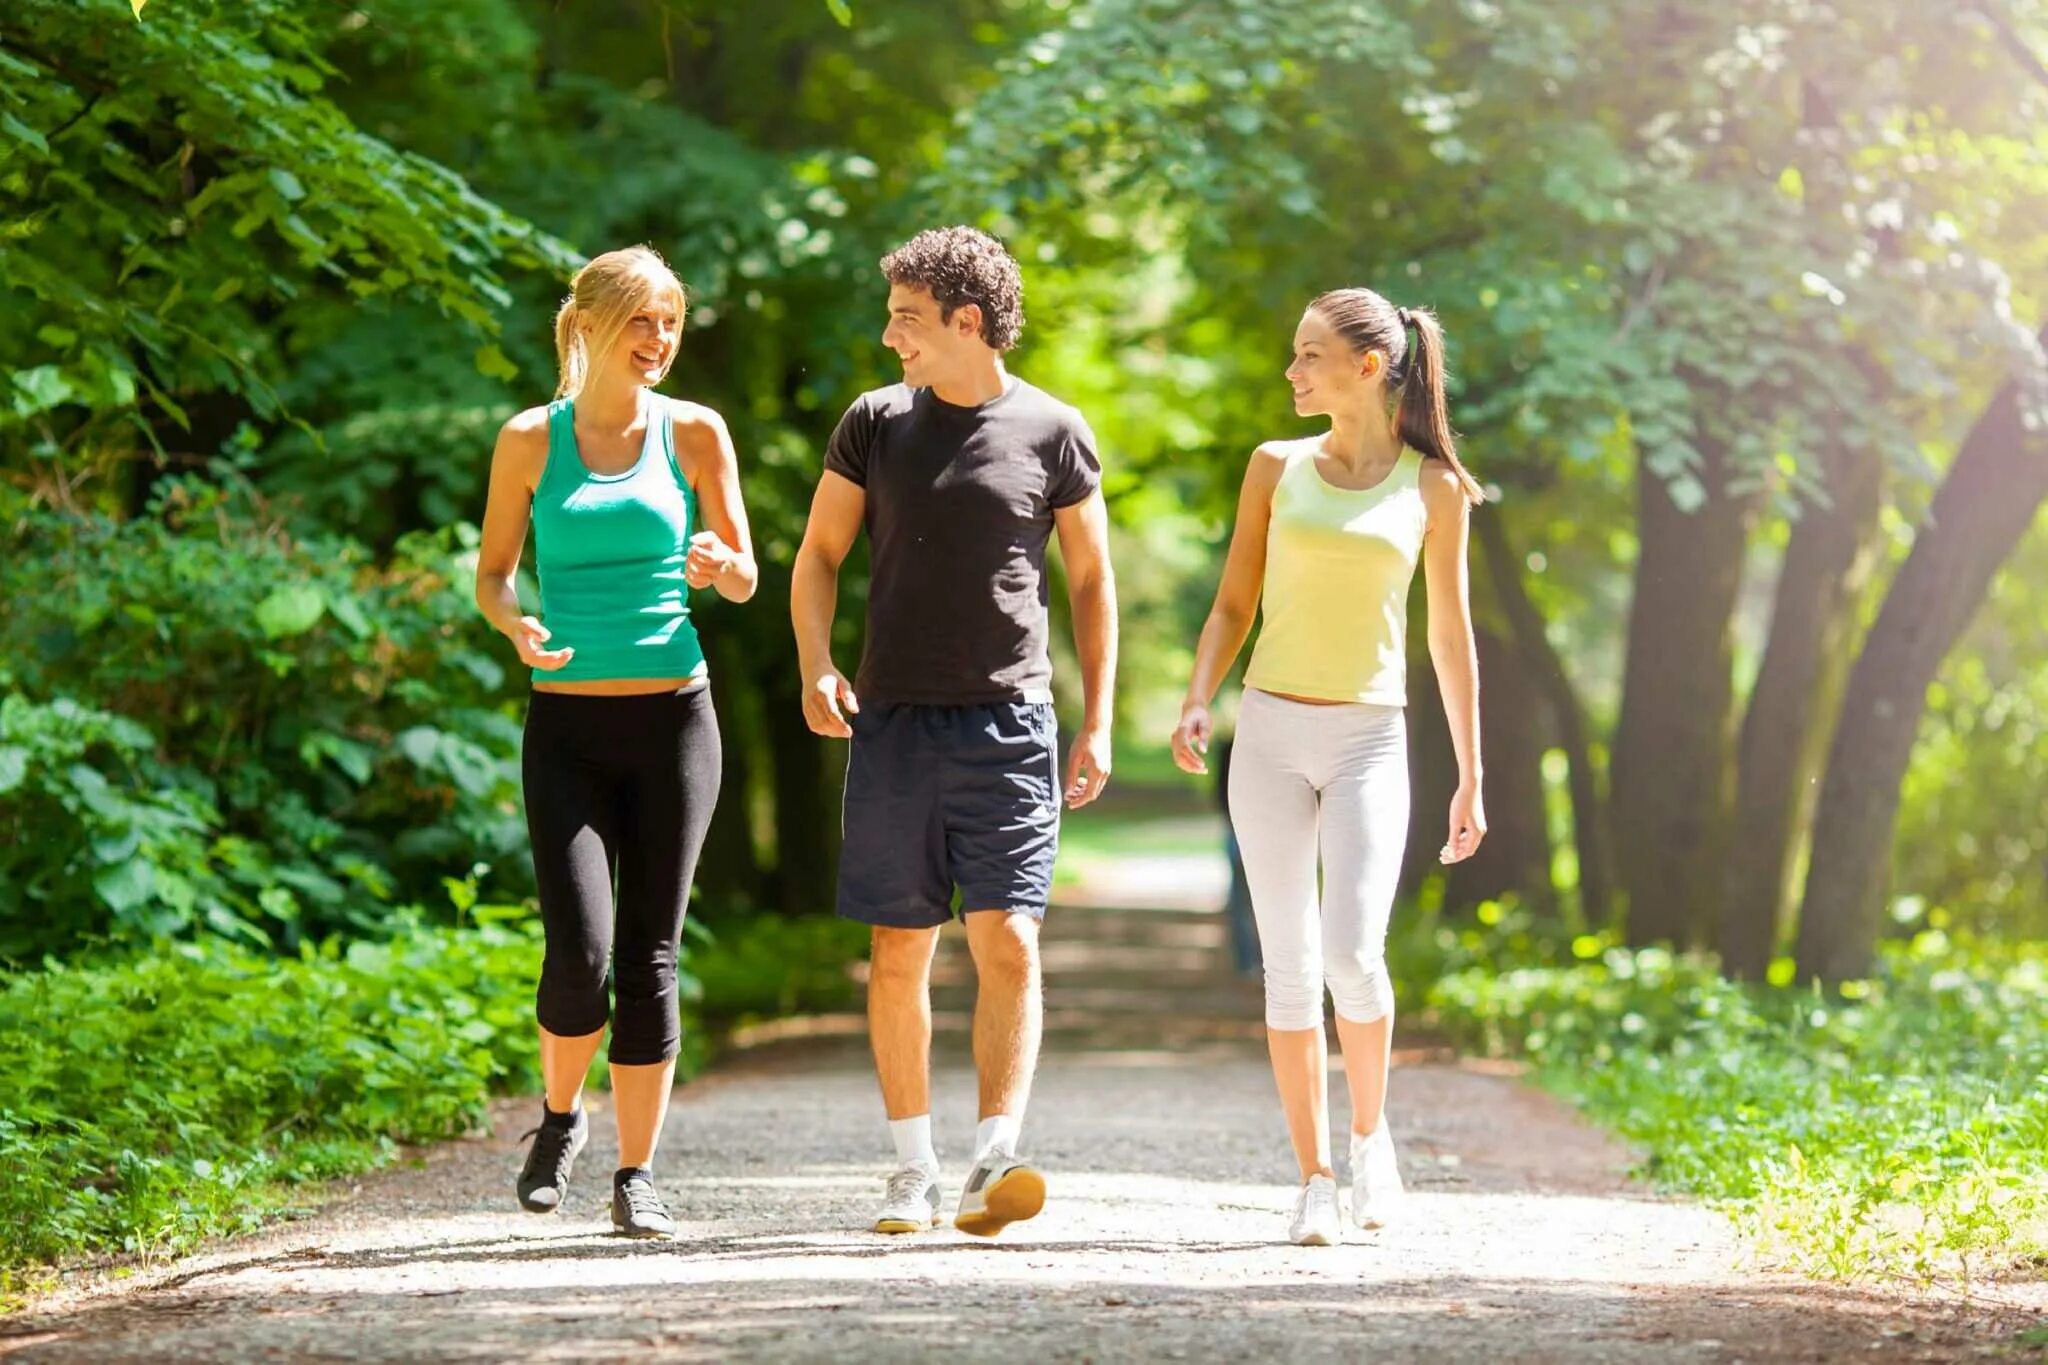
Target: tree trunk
point(1792, 708)
point(1984, 506)
point(1673, 747)
point(1515, 855)
point(1589, 814)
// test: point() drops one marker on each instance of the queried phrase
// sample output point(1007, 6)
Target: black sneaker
point(544, 1180)
point(637, 1211)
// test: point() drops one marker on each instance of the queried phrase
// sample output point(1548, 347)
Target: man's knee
point(901, 959)
point(1005, 947)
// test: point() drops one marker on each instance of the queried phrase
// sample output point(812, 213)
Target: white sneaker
point(912, 1201)
point(1376, 1192)
point(1317, 1222)
point(1000, 1191)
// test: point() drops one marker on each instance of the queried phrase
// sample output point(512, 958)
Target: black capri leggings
point(617, 789)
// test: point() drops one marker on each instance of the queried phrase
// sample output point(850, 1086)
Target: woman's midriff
point(623, 687)
point(1305, 701)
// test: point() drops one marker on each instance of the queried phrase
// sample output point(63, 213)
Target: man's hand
point(828, 701)
point(1087, 766)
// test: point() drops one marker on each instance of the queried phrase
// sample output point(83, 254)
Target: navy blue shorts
point(939, 797)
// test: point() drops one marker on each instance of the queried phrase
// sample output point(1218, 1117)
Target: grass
point(193, 1091)
point(162, 1099)
point(1898, 1130)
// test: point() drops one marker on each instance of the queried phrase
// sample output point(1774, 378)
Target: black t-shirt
point(959, 507)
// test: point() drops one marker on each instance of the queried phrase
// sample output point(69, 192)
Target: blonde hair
point(603, 297)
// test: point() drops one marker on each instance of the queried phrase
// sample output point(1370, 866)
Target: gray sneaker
point(1000, 1191)
point(637, 1211)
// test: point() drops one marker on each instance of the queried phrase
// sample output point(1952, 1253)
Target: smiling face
point(1327, 375)
point(646, 343)
point(933, 349)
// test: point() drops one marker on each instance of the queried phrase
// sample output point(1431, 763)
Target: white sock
point(997, 1133)
point(913, 1139)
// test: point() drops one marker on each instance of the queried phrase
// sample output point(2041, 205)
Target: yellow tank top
point(1334, 614)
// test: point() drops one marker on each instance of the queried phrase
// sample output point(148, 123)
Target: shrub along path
point(1163, 1236)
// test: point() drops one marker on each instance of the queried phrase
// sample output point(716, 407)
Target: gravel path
point(1163, 1237)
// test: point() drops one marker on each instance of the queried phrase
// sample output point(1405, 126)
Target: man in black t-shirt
point(959, 475)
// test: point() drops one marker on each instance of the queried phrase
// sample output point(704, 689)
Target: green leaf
point(842, 11)
point(290, 611)
point(116, 848)
point(494, 362)
point(21, 132)
point(13, 767)
point(420, 744)
point(137, 5)
point(125, 885)
point(470, 765)
point(287, 184)
point(349, 614)
point(39, 389)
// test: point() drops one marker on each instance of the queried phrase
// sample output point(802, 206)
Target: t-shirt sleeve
point(1076, 468)
point(846, 454)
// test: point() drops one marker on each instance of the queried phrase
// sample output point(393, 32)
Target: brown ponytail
point(1416, 373)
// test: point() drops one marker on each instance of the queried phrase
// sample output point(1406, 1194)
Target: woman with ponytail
point(1329, 530)
point(633, 498)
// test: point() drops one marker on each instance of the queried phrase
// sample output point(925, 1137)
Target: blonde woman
point(1329, 531)
point(632, 498)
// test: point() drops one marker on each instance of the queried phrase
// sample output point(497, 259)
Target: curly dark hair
point(964, 265)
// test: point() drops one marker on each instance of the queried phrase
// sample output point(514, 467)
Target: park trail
point(1163, 1237)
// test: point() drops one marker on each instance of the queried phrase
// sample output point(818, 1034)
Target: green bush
point(155, 1101)
point(1900, 1128)
point(215, 724)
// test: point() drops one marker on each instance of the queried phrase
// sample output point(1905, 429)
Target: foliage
point(1973, 828)
point(764, 967)
point(156, 1100)
point(175, 192)
point(192, 1089)
point(218, 724)
point(1900, 1129)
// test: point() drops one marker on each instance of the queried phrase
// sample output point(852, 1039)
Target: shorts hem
point(909, 917)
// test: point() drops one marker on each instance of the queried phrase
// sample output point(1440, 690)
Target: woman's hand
point(528, 637)
point(1468, 824)
point(708, 560)
point(1191, 738)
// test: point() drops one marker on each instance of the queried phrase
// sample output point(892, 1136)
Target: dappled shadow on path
point(691, 1306)
point(1155, 1117)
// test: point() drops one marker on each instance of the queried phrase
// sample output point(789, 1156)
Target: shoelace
point(550, 1153)
point(1317, 1196)
point(641, 1200)
point(906, 1185)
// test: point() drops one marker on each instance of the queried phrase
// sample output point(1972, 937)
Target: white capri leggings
point(1300, 773)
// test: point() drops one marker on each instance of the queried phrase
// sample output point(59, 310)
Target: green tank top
point(609, 551)
point(1334, 611)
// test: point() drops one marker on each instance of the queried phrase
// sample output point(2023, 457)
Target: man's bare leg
point(1008, 1018)
point(900, 1017)
point(1008, 1008)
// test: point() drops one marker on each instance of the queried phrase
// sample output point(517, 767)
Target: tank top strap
point(663, 412)
point(563, 463)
